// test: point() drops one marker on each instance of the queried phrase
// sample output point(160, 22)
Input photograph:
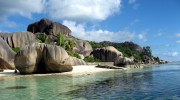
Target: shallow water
point(159, 82)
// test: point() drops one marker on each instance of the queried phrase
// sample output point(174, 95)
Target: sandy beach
point(77, 70)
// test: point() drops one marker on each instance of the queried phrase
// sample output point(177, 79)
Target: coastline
point(77, 71)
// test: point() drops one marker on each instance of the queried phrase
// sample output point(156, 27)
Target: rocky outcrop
point(6, 56)
point(49, 27)
point(122, 61)
point(147, 60)
point(83, 48)
point(18, 39)
point(44, 58)
point(133, 46)
point(111, 54)
point(107, 54)
point(75, 61)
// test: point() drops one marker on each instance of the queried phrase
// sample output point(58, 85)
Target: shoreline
point(77, 71)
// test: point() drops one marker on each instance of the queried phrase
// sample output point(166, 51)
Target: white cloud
point(75, 10)
point(134, 4)
point(134, 22)
point(175, 53)
point(178, 35)
point(23, 8)
point(79, 31)
point(142, 36)
point(82, 10)
point(8, 23)
point(131, 1)
point(178, 41)
point(171, 54)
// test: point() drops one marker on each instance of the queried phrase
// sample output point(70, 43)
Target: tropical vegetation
point(42, 38)
point(91, 59)
point(126, 50)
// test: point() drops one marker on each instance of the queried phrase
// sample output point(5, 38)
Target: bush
point(16, 49)
point(67, 44)
point(74, 54)
point(42, 38)
point(96, 45)
point(91, 59)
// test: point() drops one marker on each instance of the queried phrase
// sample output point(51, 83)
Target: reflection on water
point(159, 82)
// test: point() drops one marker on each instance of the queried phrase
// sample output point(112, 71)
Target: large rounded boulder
point(83, 48)
point(18, 39)
point(49, 27)
point(75, 61)
point(54, 58)
point(44, 58)
point(6, 56)
point(122, 61)
point(107, 54)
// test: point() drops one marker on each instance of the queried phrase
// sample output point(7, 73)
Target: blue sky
point(146, 22)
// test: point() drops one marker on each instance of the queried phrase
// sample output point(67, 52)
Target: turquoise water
point(159, 82)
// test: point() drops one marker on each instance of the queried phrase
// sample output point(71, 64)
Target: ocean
point(155, 82)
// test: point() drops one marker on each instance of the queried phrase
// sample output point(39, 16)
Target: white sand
point(77, 70)
point(87, 69)
point(7, 72)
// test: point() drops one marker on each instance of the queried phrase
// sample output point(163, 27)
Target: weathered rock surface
point(107, 54)
point(122, 61)
point(48, 27)
point(75, 61)
point(44, 58)
point(6, 56)
point(111, 54)
point(18, 39)
point(146, 59)
point(83, 48)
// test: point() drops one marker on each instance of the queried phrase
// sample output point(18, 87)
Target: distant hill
point(127, 48)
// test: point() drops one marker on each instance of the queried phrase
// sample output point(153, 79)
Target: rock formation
point(130, 45)
point(48, 27)
point(107, 54)
point(83, 48)
point(44, 58)
point(6, 56)
point(111, 54)
point(121, 61)
point(75, 61)
point(18, 39)
point(147, 60)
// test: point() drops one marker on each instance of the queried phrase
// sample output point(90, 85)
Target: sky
point(154, 23)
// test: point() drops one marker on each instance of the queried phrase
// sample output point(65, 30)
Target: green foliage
point(67, 44)
point(96, 45)
point(73, 54)
point(60, 40)
point(147, 51)
point(16, 49)
point(42, 38)
point(127, 52)
point(91, 59)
